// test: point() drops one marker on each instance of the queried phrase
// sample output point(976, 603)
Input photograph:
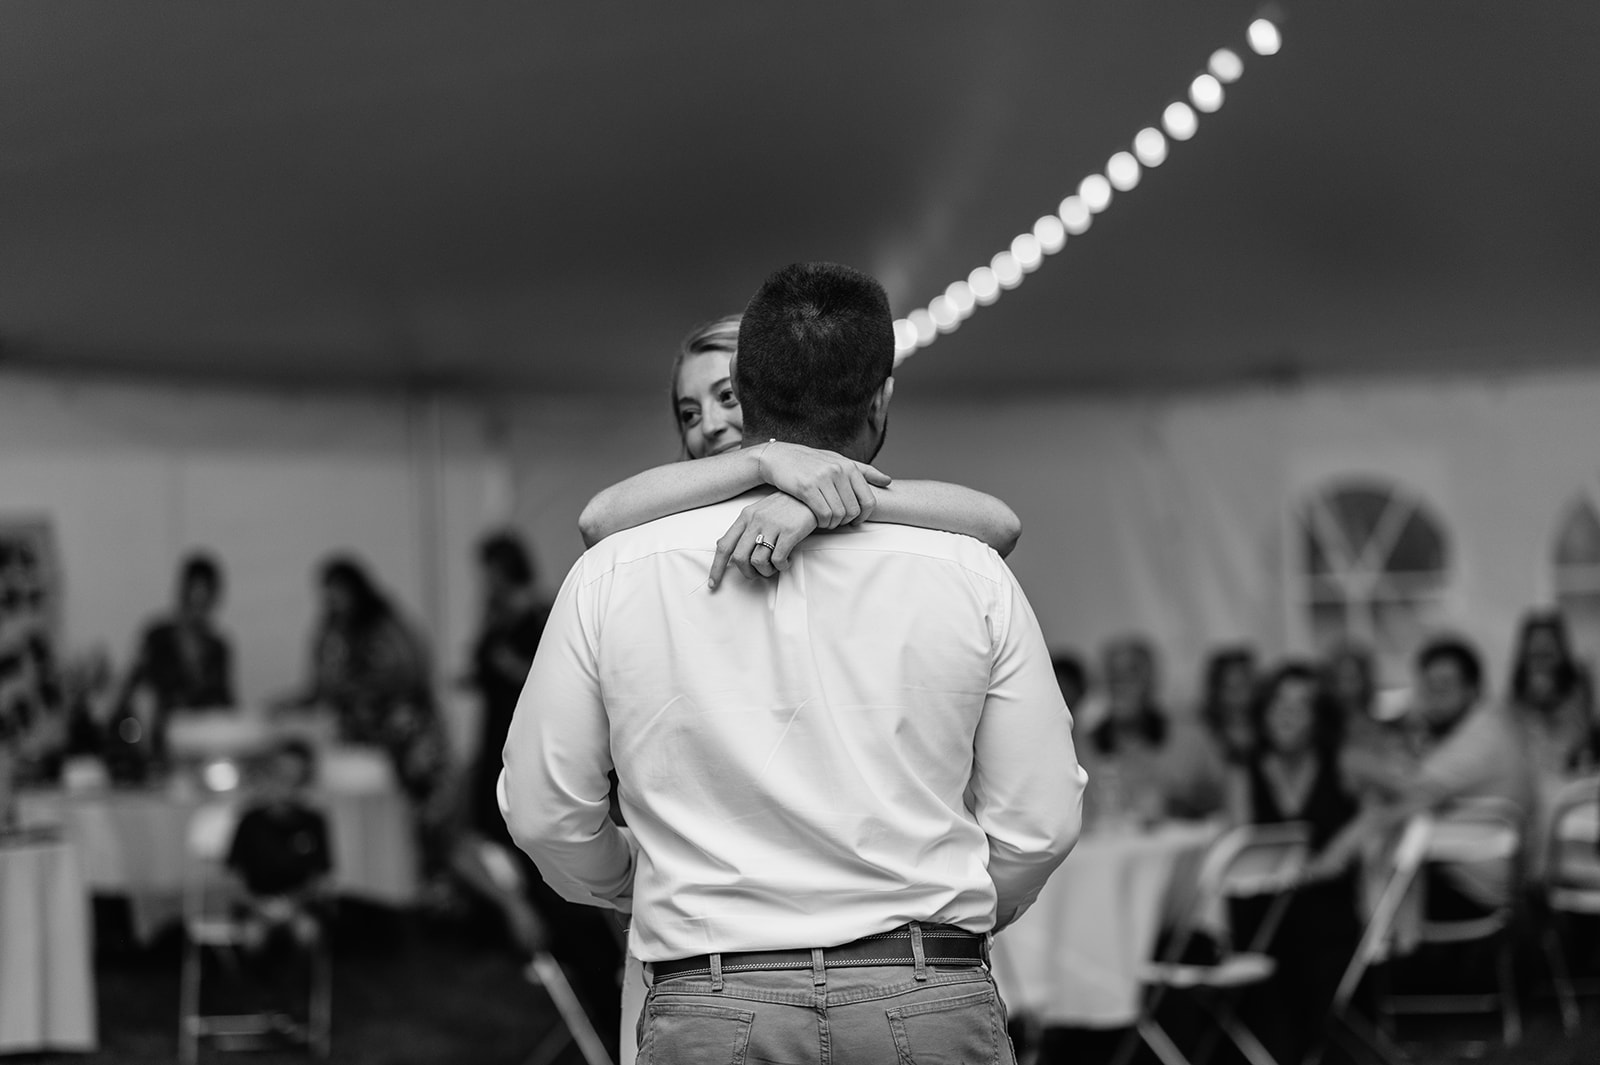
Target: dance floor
point(423, 993)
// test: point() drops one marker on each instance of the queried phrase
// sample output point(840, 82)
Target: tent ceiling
point(549, 195)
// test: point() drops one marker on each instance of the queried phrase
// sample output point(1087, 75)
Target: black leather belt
point(941, 945)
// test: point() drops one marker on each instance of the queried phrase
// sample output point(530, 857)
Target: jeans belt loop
point(819, 969)
point(716, 972)
point(918, 956)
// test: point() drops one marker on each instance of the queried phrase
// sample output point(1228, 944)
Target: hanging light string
point(1072, 218)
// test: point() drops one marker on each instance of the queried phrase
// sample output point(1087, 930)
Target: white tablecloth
point(47, 998)
point(133, 843)
point(1074, 958)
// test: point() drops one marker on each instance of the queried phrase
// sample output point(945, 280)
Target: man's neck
point(861, 448)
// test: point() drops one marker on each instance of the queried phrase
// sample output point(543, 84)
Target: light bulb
point(1205, 92)
point(1225, 65)
point(1096, 193)
point(1006, 270)
point(944, 314)
point(905, 335)
point(1150, 146)
point(1122, 170)
point(922, 322)
point(1074, 215)
point(1264, 37)
point(985, 286)
point(1050, 233)
point(961, 298)
point(1180, 121)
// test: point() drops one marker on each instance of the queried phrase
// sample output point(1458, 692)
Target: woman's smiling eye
point(727, 398)
point(688, 415)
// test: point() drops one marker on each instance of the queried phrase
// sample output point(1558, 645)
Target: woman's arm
point(836, 489)
point(670, 489)
point(950, 508)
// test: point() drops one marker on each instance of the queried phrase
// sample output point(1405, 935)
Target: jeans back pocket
point(694, 1033)
point(959, 1029)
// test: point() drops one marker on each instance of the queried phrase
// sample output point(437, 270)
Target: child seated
point(280, 851)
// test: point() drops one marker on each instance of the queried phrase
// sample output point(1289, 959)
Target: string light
point(1264, 37)
point(1075, 217)
point(961, 298)
point(1150, 146)
point(1179, 121)
point(985, 287)
point(1123, 172)
point(1050, 233)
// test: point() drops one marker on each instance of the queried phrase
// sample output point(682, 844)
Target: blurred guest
point(182, 661)
point(1143, 765)
point(1292, 774)
point(371, 670)
point(1550, 690)
point(280, 851)
point(1477, 752)
point(513, 622)
point(1071, 676)
point(1226, 704)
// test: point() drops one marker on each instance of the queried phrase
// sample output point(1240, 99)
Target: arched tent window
point(1576, 560)
point(1375, 563)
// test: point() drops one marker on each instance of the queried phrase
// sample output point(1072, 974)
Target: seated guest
point(1476, 751)
point(1292, 774)
point(183, 662)
point(280, 851)
point(1550, 691)
point(1143, 765)
point(1370, 745)
point(1226, 705)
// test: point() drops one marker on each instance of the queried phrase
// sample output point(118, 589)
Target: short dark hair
point(200, 566)
point(1453, 649)
point(506, 552)
point(816, 343)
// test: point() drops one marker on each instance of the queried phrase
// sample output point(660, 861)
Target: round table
point(47, 996)
point(1073, 959)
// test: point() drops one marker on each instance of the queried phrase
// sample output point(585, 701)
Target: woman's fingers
point(833, 511)
point(866, 498)
point(725, 549)
point(761, 555)
point(875, 477)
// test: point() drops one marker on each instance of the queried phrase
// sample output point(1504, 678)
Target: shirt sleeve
point(1027, 785)
point(554, 788)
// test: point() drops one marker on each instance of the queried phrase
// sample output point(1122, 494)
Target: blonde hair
point(720, 335)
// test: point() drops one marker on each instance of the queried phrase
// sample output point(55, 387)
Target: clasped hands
point(815, 490)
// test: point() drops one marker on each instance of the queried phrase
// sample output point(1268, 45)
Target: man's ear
point(880, 403)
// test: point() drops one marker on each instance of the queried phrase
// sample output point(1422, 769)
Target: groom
point(840, 781)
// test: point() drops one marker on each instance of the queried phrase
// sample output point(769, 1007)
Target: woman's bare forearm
point(669, 489)
point(950, 508)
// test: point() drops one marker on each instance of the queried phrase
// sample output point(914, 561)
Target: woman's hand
point(780, 521)
point(836, 489)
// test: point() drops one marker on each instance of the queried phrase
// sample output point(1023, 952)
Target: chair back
point(1572, 847)
point(1246, 861)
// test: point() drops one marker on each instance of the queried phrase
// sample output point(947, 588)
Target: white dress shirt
point(873, 737)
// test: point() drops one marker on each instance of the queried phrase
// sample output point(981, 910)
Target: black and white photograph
point(849, 533)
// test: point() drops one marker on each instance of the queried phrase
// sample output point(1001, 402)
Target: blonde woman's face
point(708, 414)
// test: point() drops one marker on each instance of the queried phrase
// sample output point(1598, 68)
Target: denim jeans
point(878, 1015)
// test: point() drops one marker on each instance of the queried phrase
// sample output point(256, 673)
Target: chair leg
point(1160, 1042)
point(1510, 1004)
point(1245, 1040)
point(321, 1019)
point(189, 1006)
point(1566, 993)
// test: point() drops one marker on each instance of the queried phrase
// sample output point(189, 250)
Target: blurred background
point(290, 281)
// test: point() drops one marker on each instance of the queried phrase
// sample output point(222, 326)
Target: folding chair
point(1471, 832)
point(1359, 1039)
point(545, 972)
point(1248, 861)
point(1571, 884)
point(210, 925)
